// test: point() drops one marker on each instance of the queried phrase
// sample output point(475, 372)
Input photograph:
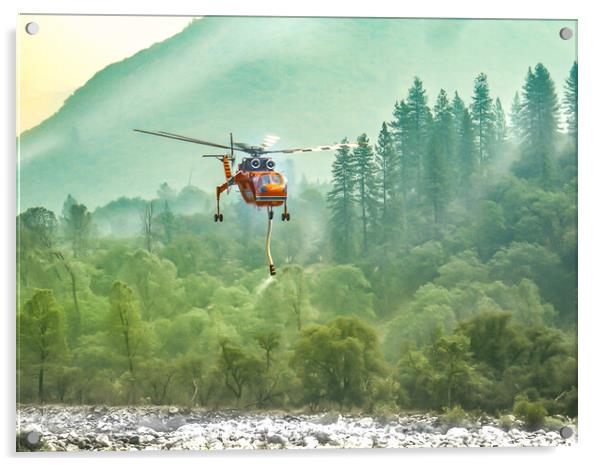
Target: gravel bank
point(162, 428)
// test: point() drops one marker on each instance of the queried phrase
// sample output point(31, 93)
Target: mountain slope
point(311, 81)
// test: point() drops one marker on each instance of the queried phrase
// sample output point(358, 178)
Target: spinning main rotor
point(255, 151)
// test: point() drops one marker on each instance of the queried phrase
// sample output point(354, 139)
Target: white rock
point(492, 431)
point(310, 442)
point(103, 440)
point(146, 438)
point(457, 432)
point(328, 418)
point(244, 444)
point(146, 430)
point(366, 422)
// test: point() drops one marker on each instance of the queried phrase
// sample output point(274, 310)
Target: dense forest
point(437, 270)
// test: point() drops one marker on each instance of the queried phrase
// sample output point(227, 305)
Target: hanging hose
point(267, 247)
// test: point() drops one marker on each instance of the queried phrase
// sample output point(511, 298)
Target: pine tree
point(167, 220)
point(467, 162)
point(484, 118)
point(399, 131)
point(78, 225)
point(66, 212)
point(571, 101)
point(365, 178)
point(501, 130)
point(419, 119)
point(436, 163)
point(540, 124)
point(515, 129)
point(341, 201)
point(386, 162)
point(458, 110)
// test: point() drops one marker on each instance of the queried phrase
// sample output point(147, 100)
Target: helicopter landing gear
point(218, 216)
point(286, 216)
point(270, 213)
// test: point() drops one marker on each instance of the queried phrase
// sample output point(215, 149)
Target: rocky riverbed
point(60, 428)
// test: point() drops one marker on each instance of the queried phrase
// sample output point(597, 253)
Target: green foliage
point(388, 168)
point(343, 290)
point(239, 370)
point(464, 276)
point(338, 361)
point(455, 417)
point(363, 166)
point(78, 225)
point(539, 118)
point(483, 116)
point(41, 339)
point(571, 101)
point(532, 413)
point(341, 200)
point(437, 158)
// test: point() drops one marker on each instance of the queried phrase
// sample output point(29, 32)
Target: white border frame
point(589, 218)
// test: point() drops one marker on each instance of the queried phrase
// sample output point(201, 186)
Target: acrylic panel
point(277, 233)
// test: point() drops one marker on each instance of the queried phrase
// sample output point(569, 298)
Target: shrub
point(533, 413)
point(455, 417)
point(553, 423)
point(384, 411)
point(507, 422)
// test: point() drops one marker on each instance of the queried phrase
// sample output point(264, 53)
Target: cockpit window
point(269, 178)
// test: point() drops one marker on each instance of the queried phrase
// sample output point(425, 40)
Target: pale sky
point(68, 50)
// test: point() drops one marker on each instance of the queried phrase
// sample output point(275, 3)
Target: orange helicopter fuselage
point(261, 188)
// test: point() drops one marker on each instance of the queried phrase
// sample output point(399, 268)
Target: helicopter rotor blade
point(253, 150)
point(314, 149)
point(187, 139)
point(269, 140)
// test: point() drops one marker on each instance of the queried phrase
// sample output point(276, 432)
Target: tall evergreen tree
point(501, 130)
point(458, 109)
point(418, 119)
point(167, 220)
point(78, 224)
point(515, 130)
point(341, 201)
point(571, 101)
point(365, 175)
point(540, 125)
point(66, 212)
point(436, 163)
point(399, 132)
point(467, 162)
point(386, 162)
point(483, 118)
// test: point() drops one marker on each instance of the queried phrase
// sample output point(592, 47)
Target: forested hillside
point(437, 269)
point(308, 80)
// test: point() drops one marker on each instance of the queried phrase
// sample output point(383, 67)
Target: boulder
point(458, 432)
point(103, 440)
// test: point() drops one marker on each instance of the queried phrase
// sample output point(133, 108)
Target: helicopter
point(256, 177)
